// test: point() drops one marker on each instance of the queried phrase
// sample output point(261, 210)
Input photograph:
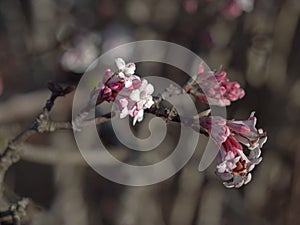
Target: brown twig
point(171, 115)
point(15, 212)
point(41, 124)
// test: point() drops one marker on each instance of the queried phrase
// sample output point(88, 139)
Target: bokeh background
point(256, 42)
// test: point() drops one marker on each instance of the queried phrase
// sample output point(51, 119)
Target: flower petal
point(135, 95)
point(149, 89)
point(124, 113)
point(120, 63)
point(128, 83)
point(129, 69)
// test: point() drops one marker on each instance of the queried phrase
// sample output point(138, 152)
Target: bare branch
point(15, 212)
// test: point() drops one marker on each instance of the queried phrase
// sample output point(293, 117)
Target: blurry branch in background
point(53, 156)
point(287, 22)
point(22, 106)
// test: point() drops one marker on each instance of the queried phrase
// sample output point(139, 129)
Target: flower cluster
point(132, 102)
point(234, 164)
point(215, 88)
point(131, 93)
point(239, 141)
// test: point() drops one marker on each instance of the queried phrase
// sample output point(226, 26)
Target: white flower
point(125, 71)
point(143, 99)
point(132, 101)
point(229, 163)
point(238, 181)
point(138, 117)
point(170, 91)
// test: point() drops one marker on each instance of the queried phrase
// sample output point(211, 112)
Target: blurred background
point(256, 42)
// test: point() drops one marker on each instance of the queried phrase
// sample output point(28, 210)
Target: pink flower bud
point(216, 89)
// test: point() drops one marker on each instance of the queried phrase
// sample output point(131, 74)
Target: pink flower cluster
point(239, 141)
point(216, 89)
point(132, 101)
point(234, 165)
point(131, 93)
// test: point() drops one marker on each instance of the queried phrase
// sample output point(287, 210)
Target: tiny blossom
point(171, 91)
point(216, 89)
point(112, 83)
point(125, 71)
point(132, 102)
point(229, 163)
point(234, 165)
